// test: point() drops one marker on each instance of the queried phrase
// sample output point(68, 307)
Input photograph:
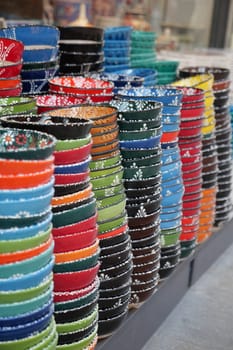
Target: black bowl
point(153, 196)
point(62, 128)
point(115, 292)
point(112, 241)
point(117, 281)
point(80, 58)
point(137, 297)
point(81, 46)
point(73, 337)
point(218, 73)
point(145, 231)
point(136, 222)
point(114, 311)
point(63, 190)
point(144, 242)
point(145, 250)
point(167, 261)
point(116, 248)
point(116, 270)
point(142, 192)
point(116, 258)
point(72, 205)
point(142, 268)
point(141, 210)
point(81, 33)
point(166, 271)
point(146, 258)
point(135, 184)
point(107, 327)
point(146, 276)
point(73, 68)
point(109, 302)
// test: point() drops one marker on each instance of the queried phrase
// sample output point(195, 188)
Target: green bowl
point(63, 145)
point(94, 174)
point(105, 163)
point(48, 343)
point(78, 325)
point(142, 45)
point(108, 181)
point(78, 265)
point(17, 105)
point(111, 211)
point(108, 191)
point(25, 294)
point(142, 125)
point(140, 35)
point(110, 200)
point(138, 110)
point(185, 252)
point(76, 303)
point(69, 217)
point(26, 306)
point(139, 153)
point(139, 134)
point(163, 66)
point(141, 162)
point(80, 345)
point(27, 265)
point(29, 342)
point(140, 173)
point(135, 50)
point(169, 239)
point(15, 245)
point(113, 223)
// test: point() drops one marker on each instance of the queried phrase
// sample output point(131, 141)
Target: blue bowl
point(119, 44)
point(32, 34)
point(172, 200)
point(25, 207)
point(118, 33)
point(120, 80)
point(172, 182)
point(172, 174)
point(37, 191)
point(177, 208)
point(115, 67)
point(27, 231)
point(150, 82)
point(168, 96)
point(27, 281)
point(26, 266)
point(39, 74)
point(117, 52)
point(25, 330)
point(169, 224)
point(170, 127)
point(166, 152)
point(172, 109)
point(27, 317)
point(171, 118)
point(171, 158)
point(169, 167)
point(40, 54)
point(146, 73)
point(110, 61)
point(170, 216)
point(75, 168)
point(32, 87)
point(145, 143)
point(169, 191)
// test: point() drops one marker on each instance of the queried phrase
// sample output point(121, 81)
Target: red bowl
point(81, 226)
point(188, 236)
point(192, 112)
point(194, 104)
point(189, 161)
point(189, 167)
point(191, 94)
point(190, 228)
point(191, 123)
point(70, 281)
point(189, 175)
point(117, 231)
point(65, 179)
point(186, 153)
point(75, 241)
point(11, 70)
point(11, 92)
point(191, 204)
point(10, 83)
point(190, 221)
point(221, 85)
point(193, 181)
point(66, 296)
point(192, 197)
point(11, 50)
point(189, 189)
point(169, 136)
point(190, 131)
point(80, 85)
point(97, 98)
point(190, 144)
point(187, 212)
point(72, 156)
point(46, 103)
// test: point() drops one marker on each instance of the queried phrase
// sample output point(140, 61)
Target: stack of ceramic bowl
point(49, 102)
point(190, 142)
point(140, 133)
point(85, 88)
point(117, 48)
point(206, 147)
point(26, 243)
point(106, 178)
point(142, 48)
point(81, 50)
point(149, 75)
point(74, 227)
point(172, 187)
point(231, 113)
point(10, 67)
point(17, 105)
point(40, 56)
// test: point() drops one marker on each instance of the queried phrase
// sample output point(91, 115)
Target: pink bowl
point(11, 50)
point(75, 241)
point(79, 227)
point(72, 156)
point(11, 92)
point(46, 103)
point(70, 281)
point(10, 70)
point(80, 85)
point(65, 179)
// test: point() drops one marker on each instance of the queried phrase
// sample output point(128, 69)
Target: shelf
point(141, 324)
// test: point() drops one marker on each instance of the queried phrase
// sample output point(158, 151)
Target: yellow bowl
point(201, 81)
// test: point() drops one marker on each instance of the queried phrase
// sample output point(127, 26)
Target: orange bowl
point(15, 167)
point(77, 254)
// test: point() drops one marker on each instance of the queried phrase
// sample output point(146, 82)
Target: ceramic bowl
point(149, 143)
point(144, 209)
point(130, 109)
point(12, 50)
point(72, 156)
point(115, 244)
point(81, 226)
point(133, 125)
point(111, 224)
point(79, 167)
point(39, 72)
point(49, 102)
point(114, 259)
point(146, 241)
point(111, 211)
point(9, 70)
point(72, 256)
point(75, 280)
point(116, 281)
point(218, 73)
point(16, 105)
point(142, 172)
point(70, 216)
point(39, 53)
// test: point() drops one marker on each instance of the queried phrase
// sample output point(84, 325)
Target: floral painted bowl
point(25, 144)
